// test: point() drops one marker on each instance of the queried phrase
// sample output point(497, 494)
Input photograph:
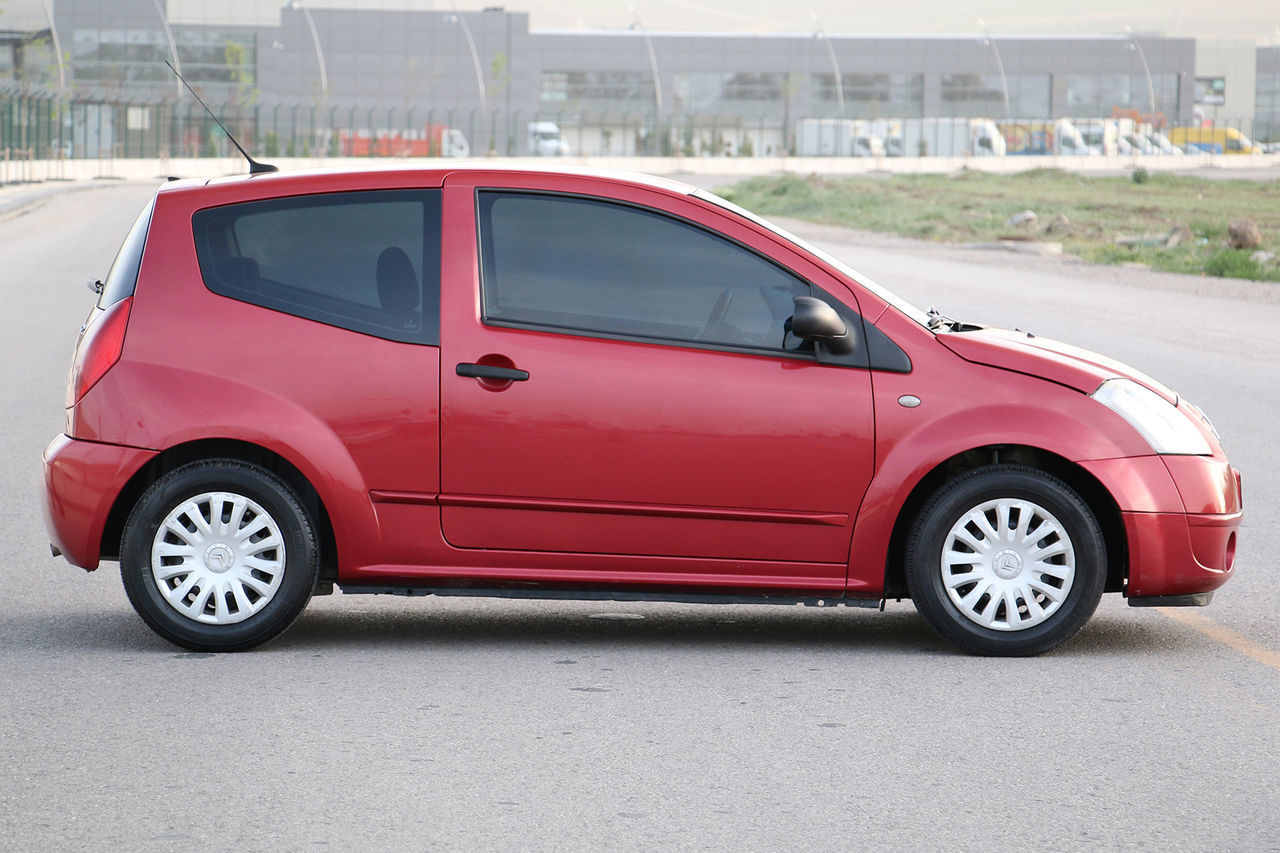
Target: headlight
point(1165, 428)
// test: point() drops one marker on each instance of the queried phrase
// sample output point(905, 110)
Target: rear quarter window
point(123, 277)
point(364, 261)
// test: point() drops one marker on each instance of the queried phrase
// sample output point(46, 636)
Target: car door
point(617, 378)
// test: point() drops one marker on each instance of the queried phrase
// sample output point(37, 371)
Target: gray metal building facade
point(1267, 94)
point(716, 92)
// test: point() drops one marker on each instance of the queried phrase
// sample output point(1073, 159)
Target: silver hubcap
point(1008, 564)
point(218, 558)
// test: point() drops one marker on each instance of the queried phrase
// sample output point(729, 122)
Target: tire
point(983, 582)
point(225, 586)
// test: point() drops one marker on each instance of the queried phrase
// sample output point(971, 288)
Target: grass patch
point(1234, 263)
point(973, 206)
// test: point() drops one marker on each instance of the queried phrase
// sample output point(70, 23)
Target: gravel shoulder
point(1135, 276)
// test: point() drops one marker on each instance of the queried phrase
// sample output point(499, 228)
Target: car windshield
point(888, 296)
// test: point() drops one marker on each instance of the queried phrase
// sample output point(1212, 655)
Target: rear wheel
point(1006, 560)
point(219, 556)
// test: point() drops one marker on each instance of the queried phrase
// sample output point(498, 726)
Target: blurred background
point(699, 78)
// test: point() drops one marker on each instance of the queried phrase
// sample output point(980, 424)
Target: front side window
point(365, 261)
point(604, 269)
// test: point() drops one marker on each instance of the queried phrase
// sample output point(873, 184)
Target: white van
point(545, 140)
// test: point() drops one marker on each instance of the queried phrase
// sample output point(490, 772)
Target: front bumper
point(1181, 515)
point(1179, 554)
point(82, 480)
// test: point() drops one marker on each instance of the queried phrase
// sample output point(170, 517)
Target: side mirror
point(815, 320)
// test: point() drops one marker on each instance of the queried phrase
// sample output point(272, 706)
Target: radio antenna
point(255, 168)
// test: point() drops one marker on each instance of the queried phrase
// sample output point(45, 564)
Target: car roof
point(415, 174)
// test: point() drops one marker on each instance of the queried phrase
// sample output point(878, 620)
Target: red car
point(585, 385)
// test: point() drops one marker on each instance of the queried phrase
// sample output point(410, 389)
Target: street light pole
point(653, 71)
point(653, 57)
point(456, 18)
point(173, 48)
point(324, 74)
point(821, 34)
point(315, 40)
point(57, 45)
point(1135, 45)
point(1004, 83)
point(62, 74)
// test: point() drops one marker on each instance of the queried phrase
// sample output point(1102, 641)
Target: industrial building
point(322, 78)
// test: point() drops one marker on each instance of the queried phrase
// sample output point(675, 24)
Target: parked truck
point(545, 140)
point(1043, 138)
point(1213, 140)
point(433, 140)
point(944, 137)
point(831, 137)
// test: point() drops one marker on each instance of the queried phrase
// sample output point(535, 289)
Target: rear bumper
point(82, 480)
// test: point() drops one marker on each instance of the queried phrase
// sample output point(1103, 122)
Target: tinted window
point(123, 277)
point(598, 267)
point(367, 261)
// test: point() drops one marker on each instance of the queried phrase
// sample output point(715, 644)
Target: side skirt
point(612, 595)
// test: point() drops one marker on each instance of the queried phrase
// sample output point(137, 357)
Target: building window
point(577, 86)
point(749, 86)
point(982, 95)
point(1102, 95)
point(871, 94)
point(138, 56)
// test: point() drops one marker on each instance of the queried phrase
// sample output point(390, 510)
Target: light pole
point(62, 73)
point(173, 48)
point(995, 51)
point(57, 46)
point(821, 35)
point(653, 57)
point(455, 18)
point(177, 69)
point(315, 40)
point(1135, 45)
point(322, 144)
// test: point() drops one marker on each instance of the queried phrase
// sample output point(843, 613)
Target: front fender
point(1012, 409)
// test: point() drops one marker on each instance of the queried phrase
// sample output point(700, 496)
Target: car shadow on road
point(655, 627)
point(898, 630)
point(472, 624)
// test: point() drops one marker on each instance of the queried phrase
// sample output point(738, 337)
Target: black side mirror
point(815, 320)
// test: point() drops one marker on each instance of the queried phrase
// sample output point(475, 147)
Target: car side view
point(576, 384)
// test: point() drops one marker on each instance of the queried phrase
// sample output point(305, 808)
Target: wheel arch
point(223, 448)
point(1095, 494)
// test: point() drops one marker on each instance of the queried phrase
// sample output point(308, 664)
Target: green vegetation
point(972, 206)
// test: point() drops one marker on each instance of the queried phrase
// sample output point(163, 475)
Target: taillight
point(98, 350)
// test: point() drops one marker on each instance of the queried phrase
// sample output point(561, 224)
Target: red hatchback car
point(585, 385)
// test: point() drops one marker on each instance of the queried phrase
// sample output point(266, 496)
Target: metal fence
point(43, 125)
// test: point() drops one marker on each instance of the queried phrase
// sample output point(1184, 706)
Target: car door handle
point(489, 371)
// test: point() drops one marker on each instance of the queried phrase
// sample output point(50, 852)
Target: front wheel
point(1006, 560)
point(219, 556)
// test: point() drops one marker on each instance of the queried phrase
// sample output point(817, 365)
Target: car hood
point(1055, 361)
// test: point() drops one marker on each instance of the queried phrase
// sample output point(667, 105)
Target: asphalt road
point(387, 723)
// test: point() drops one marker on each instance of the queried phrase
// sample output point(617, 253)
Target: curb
point(25, 199)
